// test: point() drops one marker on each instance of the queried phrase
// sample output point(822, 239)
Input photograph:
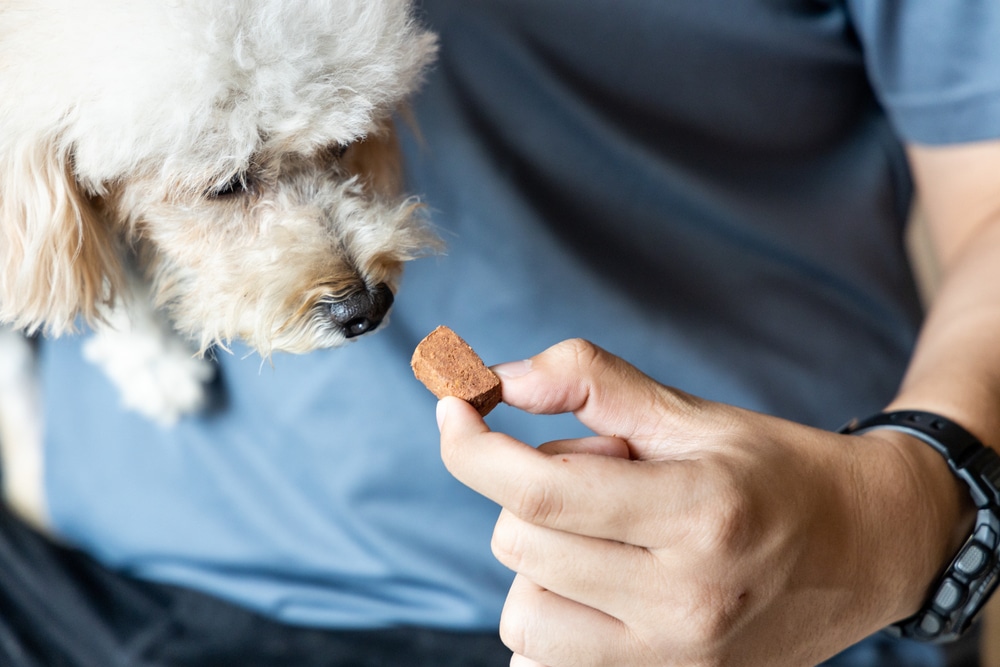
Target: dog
point(217, 169)
point(176, 175)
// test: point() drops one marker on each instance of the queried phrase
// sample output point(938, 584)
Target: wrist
point(910, 513)
point(962, 518)
point(934, 512)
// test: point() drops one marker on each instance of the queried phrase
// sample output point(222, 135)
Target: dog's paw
point(158, 374)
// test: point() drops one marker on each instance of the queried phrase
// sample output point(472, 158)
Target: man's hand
point(687, 532)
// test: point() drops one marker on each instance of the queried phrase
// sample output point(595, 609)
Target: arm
point(704, 534)
point(956, 367)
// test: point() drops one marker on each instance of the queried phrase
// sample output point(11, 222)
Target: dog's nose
point(362, 311)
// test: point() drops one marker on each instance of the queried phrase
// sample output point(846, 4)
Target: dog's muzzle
point(362, 311)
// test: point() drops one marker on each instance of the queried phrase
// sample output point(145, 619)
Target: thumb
point(606, 393)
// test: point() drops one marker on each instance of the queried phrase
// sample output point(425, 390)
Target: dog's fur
point(225, 163)
point(213, 147)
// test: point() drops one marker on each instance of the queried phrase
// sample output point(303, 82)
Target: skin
point(693, 533)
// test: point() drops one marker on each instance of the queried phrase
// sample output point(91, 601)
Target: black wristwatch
point(971, 577)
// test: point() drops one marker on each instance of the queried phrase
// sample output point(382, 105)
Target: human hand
point(688, 532)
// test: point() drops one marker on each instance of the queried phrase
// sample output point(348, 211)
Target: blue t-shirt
point(712, 190)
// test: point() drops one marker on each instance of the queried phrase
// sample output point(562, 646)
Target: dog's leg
point(21, 428)
point(157, 372)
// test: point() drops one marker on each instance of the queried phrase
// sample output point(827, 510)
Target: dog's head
point(241, 150)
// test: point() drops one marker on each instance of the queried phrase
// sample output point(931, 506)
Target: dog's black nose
point(362, 311)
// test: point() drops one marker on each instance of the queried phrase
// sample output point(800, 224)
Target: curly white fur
point(220, 168)
point(186, 89)
point(121, 120)
point(118, 116)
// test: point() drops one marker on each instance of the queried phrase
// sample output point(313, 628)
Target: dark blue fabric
point(709, 189)
point(60, 608)
point(712, 190)
point(882, 651)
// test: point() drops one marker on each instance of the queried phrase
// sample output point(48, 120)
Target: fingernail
point(513, 369)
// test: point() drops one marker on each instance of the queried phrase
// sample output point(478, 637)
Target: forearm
point(955, 370)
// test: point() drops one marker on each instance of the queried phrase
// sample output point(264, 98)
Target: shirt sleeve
point(935, 65)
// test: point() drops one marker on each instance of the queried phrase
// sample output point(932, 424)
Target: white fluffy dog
point(218, 168)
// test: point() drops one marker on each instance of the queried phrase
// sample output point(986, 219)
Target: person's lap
point(61, 608)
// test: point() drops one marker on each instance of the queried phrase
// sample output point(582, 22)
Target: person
point(715, 192)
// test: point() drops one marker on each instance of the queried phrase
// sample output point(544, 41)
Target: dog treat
point(449, 367)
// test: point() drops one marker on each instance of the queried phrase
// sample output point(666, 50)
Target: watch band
point(972, 575)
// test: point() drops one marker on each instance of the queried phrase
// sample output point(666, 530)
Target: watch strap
point(966, 584)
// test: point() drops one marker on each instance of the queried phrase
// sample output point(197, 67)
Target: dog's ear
point(377, 160)
point(58, 258)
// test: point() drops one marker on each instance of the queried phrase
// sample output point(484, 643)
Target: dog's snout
point(362, 311)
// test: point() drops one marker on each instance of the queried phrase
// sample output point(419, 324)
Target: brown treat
point(449, 367)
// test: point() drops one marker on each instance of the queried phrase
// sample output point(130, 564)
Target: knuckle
point(705, 630)
point(728, 516)
point(702, 635)
point(728, 531)
point(507, 544)
point(514, 629)
point(579, 349)
point(709, 629)
point(534, 501)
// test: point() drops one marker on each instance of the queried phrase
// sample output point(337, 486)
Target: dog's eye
point(336, 151)
point(237, 185)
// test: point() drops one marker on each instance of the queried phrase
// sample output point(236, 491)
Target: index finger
point(598, 496)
